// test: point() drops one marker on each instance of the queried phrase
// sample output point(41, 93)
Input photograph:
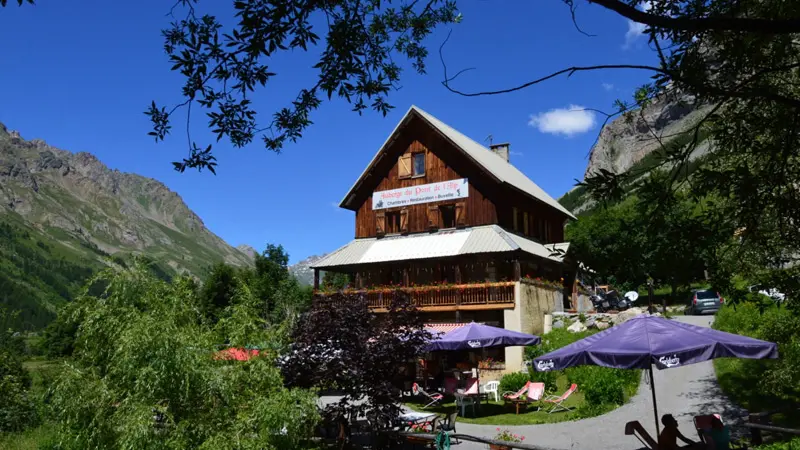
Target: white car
point(769, 292)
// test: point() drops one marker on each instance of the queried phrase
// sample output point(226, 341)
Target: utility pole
point(650, 295)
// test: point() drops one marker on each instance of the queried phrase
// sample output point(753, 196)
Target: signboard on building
point(425, 193)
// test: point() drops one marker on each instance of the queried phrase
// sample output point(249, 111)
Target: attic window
point(418, 160)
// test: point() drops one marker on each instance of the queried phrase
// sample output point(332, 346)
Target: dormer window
point(418, 162)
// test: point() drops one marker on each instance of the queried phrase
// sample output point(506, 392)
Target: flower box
point(499, 447)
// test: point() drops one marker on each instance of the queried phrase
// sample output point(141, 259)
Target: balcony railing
point(460, 296)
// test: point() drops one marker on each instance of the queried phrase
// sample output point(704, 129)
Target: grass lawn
point(42, 370)
point(496, 413)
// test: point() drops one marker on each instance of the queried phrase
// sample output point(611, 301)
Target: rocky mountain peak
point(303, 271)
point(632, 136)
point(247, 250)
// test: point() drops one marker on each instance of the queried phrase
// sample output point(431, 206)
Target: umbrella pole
point(653, 390)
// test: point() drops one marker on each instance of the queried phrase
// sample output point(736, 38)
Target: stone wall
point(533, 302)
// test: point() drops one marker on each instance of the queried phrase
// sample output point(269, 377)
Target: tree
point(16, 409)
point(340, 343)
point(738, 60)
point(218, 290)
point(334, 281)
point(659, 233)
point(223, 67)
point(144, 374)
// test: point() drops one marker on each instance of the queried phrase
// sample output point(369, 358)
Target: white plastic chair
point(492, 387)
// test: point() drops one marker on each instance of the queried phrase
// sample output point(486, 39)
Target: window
point(526, 230)
point(393, 222)
point(419, 164)
point(515, 220)
point(448, 213)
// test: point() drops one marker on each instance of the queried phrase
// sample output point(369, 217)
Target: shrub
point(553, 340)
point(762, 319)
point(17, 411)
point(743, 318)
point(512, 382)
point(601, 385)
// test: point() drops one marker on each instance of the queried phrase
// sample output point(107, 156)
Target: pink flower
point(498, 428)
point(522, 438)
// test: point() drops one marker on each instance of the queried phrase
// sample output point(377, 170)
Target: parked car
point(769, 292)
point(704, 301)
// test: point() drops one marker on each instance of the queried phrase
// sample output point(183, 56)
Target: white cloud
point(608, 86)
point(635, 29)
point(513, 153)
point(567, 121)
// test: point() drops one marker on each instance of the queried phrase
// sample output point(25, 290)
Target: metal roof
point(501, 169)
point(443, 243)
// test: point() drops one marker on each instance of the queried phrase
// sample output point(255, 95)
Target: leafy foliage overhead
point(225, 67)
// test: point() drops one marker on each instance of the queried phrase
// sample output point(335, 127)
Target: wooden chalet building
point(456, 225)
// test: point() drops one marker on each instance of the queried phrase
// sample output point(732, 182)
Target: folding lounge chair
point(631, 428)
point(472, 386)
point(515, 395)
point(535, 393)
point(558, 402)
point(702, 423)
point(434, 398)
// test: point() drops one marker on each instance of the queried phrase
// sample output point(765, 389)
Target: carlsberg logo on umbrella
point(545, 365)
point(474, 344)
point(670, 361)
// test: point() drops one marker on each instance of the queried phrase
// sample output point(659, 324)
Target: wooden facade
point(489, 201)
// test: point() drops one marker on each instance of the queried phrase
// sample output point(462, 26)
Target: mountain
point(303, 271)
point(635, 141)
point(247, 250)
point(62, 206)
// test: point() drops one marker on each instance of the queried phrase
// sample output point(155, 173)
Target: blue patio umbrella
point(475, 336)
point(646, 340)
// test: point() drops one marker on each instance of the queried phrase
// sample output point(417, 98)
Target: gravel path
point(683, 392)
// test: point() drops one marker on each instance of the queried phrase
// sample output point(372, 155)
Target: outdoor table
point(414, 417)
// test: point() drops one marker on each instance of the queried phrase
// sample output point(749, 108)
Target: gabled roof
point(496, 166)
point(443, 243)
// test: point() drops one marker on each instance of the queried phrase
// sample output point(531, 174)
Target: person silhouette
point(668, 439)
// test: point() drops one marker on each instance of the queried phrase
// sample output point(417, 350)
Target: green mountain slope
point(64, 216)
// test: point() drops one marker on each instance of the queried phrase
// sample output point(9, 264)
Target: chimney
point(500, 150)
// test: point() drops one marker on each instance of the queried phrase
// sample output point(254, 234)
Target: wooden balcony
point(460, 297)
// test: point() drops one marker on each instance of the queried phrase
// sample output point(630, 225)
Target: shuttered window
point(433, 217)
point(404, 220)
point(380, 223)
point(404, 166)
point(461, 216)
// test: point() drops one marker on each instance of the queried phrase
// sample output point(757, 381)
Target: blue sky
point(79, 74)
